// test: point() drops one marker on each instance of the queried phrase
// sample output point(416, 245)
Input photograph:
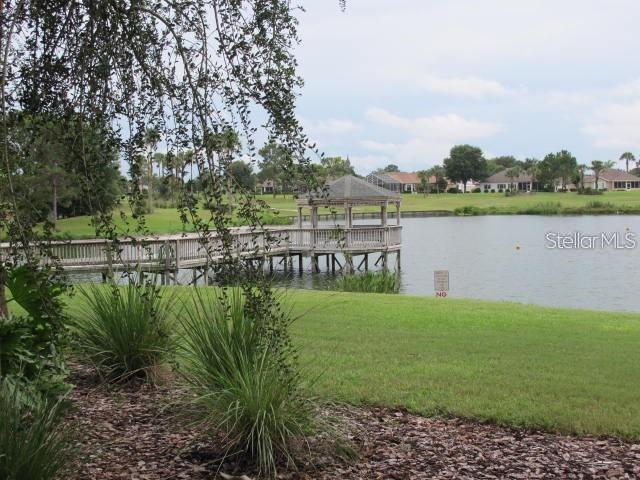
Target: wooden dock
point(168, 254)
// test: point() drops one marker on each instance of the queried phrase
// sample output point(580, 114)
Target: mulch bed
point(128, 432)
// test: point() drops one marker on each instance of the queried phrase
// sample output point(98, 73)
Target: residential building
point(613, 179)
point(500, 181)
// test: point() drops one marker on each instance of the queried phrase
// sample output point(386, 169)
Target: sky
point(402, 81)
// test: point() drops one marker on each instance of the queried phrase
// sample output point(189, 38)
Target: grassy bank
point(566, 370)
point(562, 370)
point(166, 220)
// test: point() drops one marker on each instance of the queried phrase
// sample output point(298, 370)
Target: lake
point(508, 258)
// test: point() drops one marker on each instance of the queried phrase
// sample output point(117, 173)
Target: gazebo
point(345, 193)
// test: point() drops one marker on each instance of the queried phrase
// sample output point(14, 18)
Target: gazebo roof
point(349, 190)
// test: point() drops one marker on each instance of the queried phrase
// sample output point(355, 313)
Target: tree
point(499, 164)
point(512, 173)
point(561, 165)
point(438, 172)
point(627, 157)
point(424, 176)
point(465, 163)
point(581, 170)
point(242, 173)
point(151, 139)
point(276, 166)
point(335, 167)
point(389, 168)
point(530, 167)
point(598, 166)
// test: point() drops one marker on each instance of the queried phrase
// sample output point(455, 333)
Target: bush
point(467, 210)
point(589, 191)
point(123, 332)
point(476, 190)
point(500, 190)
point(493, 190)
point(30, 342)
point(546, 208)
point(453, 190)
point(486, 191)
point(32, 444)
point(369, 282)
point(240, 368)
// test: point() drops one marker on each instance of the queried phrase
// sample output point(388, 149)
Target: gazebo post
point(397, 213)
point(348, 214)
point(383, 214)
point(314, 217)
point(299, 217)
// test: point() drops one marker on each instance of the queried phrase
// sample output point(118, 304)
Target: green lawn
point(567, 370)
point(572, 371)
point(165, 220)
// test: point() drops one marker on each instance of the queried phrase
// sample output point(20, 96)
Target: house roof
point(501, 177)
point(404, 177)
point(351, 190)
point(615, 175)
point(385, 177)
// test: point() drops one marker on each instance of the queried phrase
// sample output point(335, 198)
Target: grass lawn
point(572, 371)
point(566, 370)
point(165, 220)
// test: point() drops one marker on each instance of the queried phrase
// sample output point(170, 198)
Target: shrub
point(241, 370)
point(476, 190)
point(546, 208)
point(31, 341)
point(369, 282)
point(453, 190)
point(467, 210)
point(32, 444)
point(599, 205)
point(493, 190)
point(124, 331)
point(589, 191)
point(500, 190)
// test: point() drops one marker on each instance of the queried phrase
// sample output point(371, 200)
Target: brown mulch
point(129, 432)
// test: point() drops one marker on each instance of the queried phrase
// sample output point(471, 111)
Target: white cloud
point(615, 126)
point(450, 127)
point(430, 138)
point(331, 126)
point(470, 87)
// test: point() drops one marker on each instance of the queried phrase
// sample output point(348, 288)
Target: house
point(500, 182)
point(384, 180)
point(407, 182)
point(613, 179)
point(268, 186)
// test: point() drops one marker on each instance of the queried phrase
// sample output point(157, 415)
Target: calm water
point(505, 258)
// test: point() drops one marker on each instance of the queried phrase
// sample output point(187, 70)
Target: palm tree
point(151, 139)
point(598, 166)
point(438, 172)
point(513, 172)
point(530, 167)
point(581, 169)
point(627, 157)
point(225, 144)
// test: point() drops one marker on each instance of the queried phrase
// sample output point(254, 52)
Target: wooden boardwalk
point(168, 254)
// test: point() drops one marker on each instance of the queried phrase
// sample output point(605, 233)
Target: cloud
point(332, 126)
point(429, 138)
point(615, 126)
point(469, 87)
point(449, 127)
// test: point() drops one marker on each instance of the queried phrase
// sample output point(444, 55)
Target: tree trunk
point(4, 311)
point(54, 204)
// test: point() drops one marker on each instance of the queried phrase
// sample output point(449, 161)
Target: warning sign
point(441, 282)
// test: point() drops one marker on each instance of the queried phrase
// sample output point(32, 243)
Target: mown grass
point(563, 370)
point(166, 220)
